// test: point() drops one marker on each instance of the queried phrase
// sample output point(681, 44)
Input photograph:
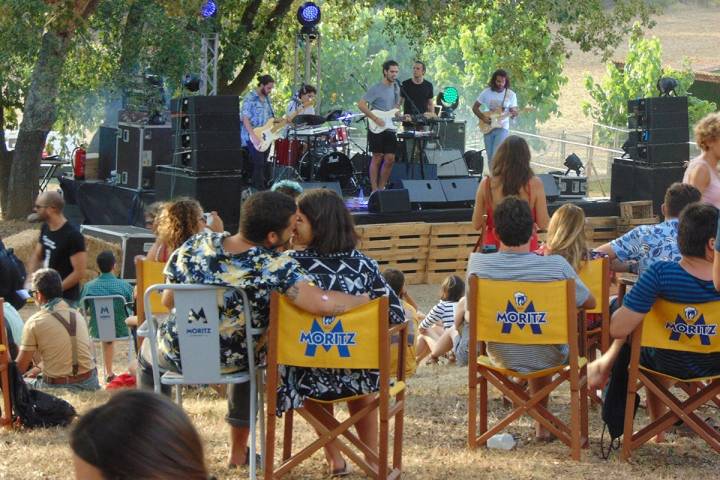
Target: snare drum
point(287, 151)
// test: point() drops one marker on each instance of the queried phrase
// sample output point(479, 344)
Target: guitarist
point(496, 98)
point(256, 111)
point(383, 96)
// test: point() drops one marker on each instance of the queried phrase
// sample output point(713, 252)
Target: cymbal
point(308, 120)
point(333, 115)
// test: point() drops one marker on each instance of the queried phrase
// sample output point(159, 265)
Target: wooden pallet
point(638, 209)
point(450, 245)
point(600, 230)
point(402, 246)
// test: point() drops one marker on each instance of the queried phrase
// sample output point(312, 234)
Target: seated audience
point(137, 435)
point(158, 250)
point(647, 244)
point(462, 327)
point(514, 261)
point(396, 280)
point(14, 326)
point(702, 171)
point(288, 187)
point(331, 260)
point(12, 278)
point(66, 362)
point(246, 260)
point(437, 330)
point(108, 284)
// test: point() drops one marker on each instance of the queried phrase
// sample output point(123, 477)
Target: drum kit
point(317, 151)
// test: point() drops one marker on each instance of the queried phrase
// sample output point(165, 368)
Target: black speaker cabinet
point(389, 201)
point(425, 193)
point(140, 149)
point(659, 120)
point(107, 146)
point(209, 160)
point(225, 140)
point(460, 191)
point(653, 105)
point(676, 153)
point(411, 171)
point(451, 136)
point(659, 136)
point(219, 191)
point(449, 163)
point(201, 105)
point(552, 192)
point(207, 122)
point(633, 180)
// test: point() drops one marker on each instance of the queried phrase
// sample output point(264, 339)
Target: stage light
point(191, 81)
point(573, 162)
point(666, 86)
point(308, 15)
point(208, 9)
point(448, 99)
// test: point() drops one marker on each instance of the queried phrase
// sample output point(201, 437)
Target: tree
point(638, 79)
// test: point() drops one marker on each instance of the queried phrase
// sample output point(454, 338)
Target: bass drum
point(322, 165)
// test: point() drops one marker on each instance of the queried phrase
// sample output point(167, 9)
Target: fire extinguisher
point(78, 162)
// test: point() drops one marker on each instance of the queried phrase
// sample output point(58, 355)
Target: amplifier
point(139, 150)
point(653, 105)
point(449, 163)
point(209, 160)
point(226, 140)
point(571, 186)
point(451, 136)
point(658, 136)
point(200, 105)
point(207, 122)
point(676, 153)
point(658, 120)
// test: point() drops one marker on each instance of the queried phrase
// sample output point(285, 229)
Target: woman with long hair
point(566, 236)
point(511, 175)
point(326, 228)
point(702, 171)
point(137, 434)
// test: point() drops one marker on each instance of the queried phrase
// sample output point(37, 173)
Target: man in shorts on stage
point(383, 96)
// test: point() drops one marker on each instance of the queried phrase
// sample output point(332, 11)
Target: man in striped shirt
point(514, 226)
point(688, 281)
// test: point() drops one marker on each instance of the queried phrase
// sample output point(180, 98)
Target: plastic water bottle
point(501, 441)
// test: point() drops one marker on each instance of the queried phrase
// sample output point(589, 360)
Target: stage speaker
point(200, 104)
point(474, 161)
point(460, 190)
point(658, 120)
point(659, 136)
point(552, 192)
point(209, 160)
point(633, 180)
point(140, 149)
point(411, 171)
point(449, 163)
point(424, 193)
point(389, 201)
point(334, 186)
point(451, 136)
point(677, 153)
point(207, 122)
point(227, 140)
point(653, 105)
point(219, 191)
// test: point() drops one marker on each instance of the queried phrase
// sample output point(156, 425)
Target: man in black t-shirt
point(417, 93)
point(61, 246)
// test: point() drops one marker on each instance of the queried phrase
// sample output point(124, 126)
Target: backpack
point(34, 408)
point(12, 276)
point(614, 401)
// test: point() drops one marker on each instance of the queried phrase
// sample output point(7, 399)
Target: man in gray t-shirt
point(382, 97)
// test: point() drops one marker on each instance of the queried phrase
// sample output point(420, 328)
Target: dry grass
point(434, 445)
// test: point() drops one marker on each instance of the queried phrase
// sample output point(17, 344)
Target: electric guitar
point(496, 119)
point(388, 117)
point(273, 128)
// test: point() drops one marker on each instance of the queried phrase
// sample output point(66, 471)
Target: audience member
point(325, 225)
point(396, 280)
point(12, 278)
point(702, 171)
point(61, 246)
point(14, 326)
point(647, 244)
point(514, 225)
point(288, 187)
point(689, 282)
point(108, 284)
point(59, 335)
point(511, 175)
point(566, 237)
point(158, 251)
point(182, 219)
point(137, 435)
point(245, 260)
point(437, 330)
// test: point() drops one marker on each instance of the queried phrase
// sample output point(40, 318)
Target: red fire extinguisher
point(78, 156)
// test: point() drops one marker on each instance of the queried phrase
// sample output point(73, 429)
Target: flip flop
point(341, 472)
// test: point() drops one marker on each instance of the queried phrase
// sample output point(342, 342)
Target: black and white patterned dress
point(350, 272)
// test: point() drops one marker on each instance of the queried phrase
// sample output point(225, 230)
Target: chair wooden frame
point(6, 419)
point(700, 391)
point(598, 337)
point(331, 429)
point(481, 373)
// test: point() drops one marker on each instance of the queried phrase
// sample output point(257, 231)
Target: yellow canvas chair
point(682, 327)
point(359, 338)
point(149, 273)
point(529, 313)
point(595, 274)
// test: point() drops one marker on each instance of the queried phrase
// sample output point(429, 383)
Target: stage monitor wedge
point(460, 191)
point(425, 193)
point(389, 201)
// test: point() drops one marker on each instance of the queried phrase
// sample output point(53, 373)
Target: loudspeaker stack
point(656, 149)
point(208, 158)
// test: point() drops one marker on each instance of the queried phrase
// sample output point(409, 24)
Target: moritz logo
point(520, 312)
point(327, 339)
point(683, 326)
point(197, 318)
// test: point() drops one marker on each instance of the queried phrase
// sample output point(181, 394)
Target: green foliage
point(637, 79)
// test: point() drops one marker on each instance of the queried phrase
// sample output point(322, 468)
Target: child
point(433, 338)
point(396, 280)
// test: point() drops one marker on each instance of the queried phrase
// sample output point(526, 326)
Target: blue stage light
point(308, 14)
point(209, 9)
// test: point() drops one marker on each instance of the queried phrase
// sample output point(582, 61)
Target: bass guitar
point(496, 119)
point(273, 128)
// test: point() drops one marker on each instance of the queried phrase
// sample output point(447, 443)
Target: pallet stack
point(402, 246)
point(633, 214)
point(450, 247)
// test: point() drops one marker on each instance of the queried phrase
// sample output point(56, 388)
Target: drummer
point(305, 95)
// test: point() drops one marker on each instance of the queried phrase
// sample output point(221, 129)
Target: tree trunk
point(5, 158)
